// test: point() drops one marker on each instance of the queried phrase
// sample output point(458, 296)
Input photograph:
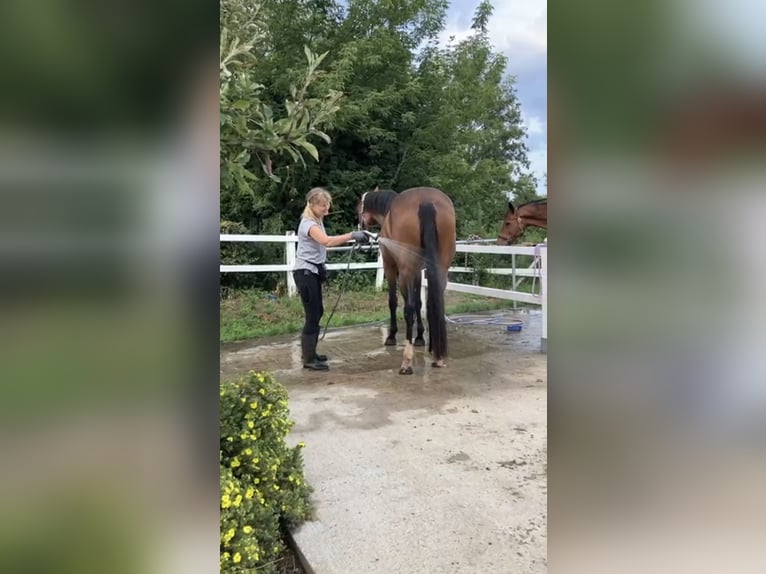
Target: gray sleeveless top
point(309, 252)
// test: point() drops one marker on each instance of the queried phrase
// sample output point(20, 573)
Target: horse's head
point(364, 219)
point(512, 227)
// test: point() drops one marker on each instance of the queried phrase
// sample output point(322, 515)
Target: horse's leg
point(409, 318)
point(392, 301)
point(419, 340)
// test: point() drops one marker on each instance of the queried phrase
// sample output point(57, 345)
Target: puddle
point(359, 352)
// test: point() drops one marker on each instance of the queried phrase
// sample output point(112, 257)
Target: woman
point(310, 271)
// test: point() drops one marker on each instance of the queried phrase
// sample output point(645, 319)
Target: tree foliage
point(412, 112)
point(258, 132)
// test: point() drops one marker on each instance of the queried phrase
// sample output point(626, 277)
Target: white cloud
point(538, 159)
point(454, 33)
point(517, 27)
point(534, 125)
point(520, 24)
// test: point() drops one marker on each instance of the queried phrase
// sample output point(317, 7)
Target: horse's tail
point(429, 239)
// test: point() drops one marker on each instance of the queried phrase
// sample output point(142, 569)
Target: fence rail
point(538, 269)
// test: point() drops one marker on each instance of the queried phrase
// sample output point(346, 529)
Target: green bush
point(262, 483)
point(239, 253)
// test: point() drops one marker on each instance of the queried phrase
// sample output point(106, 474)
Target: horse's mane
point(379, 201)
point(534, 202)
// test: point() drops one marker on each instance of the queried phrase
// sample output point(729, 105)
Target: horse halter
point(507, 238)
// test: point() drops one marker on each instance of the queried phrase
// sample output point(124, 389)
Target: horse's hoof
point(391, 342)
point(439, 364)
point(407, 371)
point(420, 342)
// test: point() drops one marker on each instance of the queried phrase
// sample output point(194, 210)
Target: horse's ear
point(376, 188)
point(511, 208)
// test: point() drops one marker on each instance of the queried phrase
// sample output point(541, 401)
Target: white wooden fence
point(538, 270)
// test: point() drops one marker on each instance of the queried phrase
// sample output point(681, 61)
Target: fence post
point(513, 277)
point(290, 261)
point(379, 271)
point(544, 293)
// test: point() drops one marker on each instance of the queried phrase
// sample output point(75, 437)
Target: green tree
point(525, 190)
point(257, 134)
point(413, 112)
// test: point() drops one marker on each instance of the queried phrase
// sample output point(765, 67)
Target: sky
point(518, 29)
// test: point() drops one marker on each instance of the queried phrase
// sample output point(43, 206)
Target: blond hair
point(316, 195)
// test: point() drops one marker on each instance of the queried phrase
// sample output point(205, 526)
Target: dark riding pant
point(310, 289)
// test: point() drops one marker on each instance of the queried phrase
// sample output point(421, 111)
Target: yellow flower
point(250, 424)
point(229, 535)
point(276, 487)
point(237, 558)
point(243, 399)
point(225, 501)
point(262, 391)
point(249, 493)
point(230, 438)
point(301, 444)
point(247, 529)
point(237, 501)
point(253, 405)
point(298, 481)
point(235, 462)
point(225, 556)
point(248, 451)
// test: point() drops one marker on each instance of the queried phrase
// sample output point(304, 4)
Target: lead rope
point(354, 247)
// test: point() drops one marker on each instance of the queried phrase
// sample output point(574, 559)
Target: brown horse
point(532, 214)
point(417, 230)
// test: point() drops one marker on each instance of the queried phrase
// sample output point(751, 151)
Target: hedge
point(262, 484)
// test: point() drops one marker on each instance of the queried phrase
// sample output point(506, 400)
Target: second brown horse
point(532, 214)
point(417, 231)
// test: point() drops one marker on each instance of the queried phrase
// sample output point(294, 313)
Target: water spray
point(372, 239)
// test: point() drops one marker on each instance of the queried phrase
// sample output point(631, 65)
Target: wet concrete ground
point(440, 471)
point(360, 349)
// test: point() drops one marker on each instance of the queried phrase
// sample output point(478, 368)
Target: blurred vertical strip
point(109, 186)
point(657, 386)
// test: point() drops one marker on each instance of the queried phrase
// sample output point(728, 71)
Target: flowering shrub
point(262, 484)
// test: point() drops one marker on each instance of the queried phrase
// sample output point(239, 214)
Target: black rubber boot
point(308, 350)
point(321, 358)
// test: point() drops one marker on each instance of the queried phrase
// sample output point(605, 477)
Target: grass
point(251, 314)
